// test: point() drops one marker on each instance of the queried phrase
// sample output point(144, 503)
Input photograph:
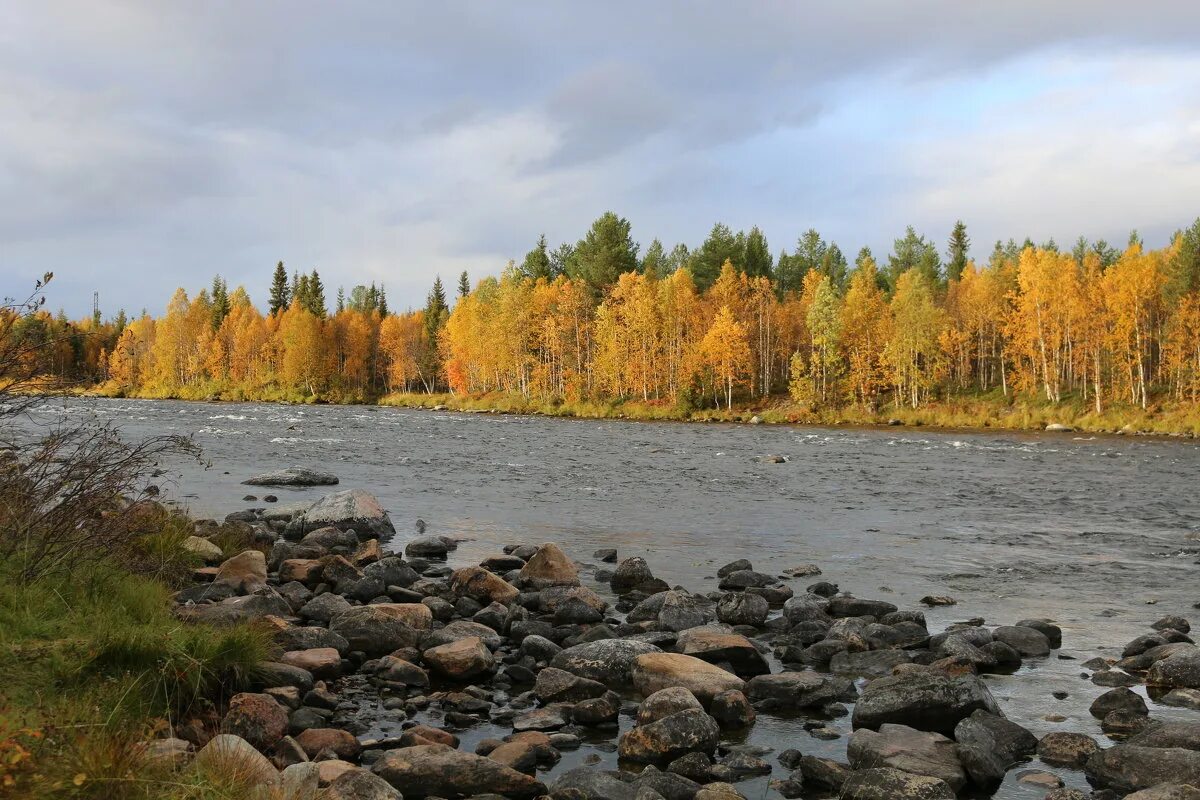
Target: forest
point(725, 325)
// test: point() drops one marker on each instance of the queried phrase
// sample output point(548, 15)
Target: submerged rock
point(352, 509)
point(293, 476)
point(441, 771)
point(671, 737)
point(925, 700)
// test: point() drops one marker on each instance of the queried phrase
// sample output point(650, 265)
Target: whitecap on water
point(299, 440)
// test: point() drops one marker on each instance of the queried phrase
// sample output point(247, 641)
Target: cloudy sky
point(148, 145)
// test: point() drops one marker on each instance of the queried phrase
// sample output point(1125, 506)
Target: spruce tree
point(381, 305)
point(756, 256)
point(957, 251)
point(281, 295)
point(464, 284)
point(605, 253)
point(537, 261)
point(220, 301)
point(436, 314)
point(341, 300)
point(316, 295)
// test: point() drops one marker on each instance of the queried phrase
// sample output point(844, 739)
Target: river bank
point(406, 660)
point(969, 413)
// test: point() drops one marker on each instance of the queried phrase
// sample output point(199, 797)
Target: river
point(1101, 534)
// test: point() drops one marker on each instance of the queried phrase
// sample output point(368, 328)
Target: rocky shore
point(402, 672)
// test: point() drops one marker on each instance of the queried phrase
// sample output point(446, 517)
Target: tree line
point(726, 321)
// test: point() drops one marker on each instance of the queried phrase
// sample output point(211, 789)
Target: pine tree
point(756, 256)
point(315, 300)
point(382, 305)
point(957, 251)
point(464, 284)
point(537, 261)
point(605, 253)
point(436, 315)
point(706, 262)
point(341, 300)
point(220, 301)
point(281, 295)
point(654, 262)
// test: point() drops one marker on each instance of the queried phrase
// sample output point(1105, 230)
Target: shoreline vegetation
point(1095, 338)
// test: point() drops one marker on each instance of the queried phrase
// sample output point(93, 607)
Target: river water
point(1101, 534)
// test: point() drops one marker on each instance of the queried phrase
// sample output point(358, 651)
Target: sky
point(149, 145)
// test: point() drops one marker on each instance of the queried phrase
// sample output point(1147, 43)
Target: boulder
point(324, 607)
point(1120, 699)
point(325, 663)
point(885, 783)
point(341, 743)
point(1066, 749)
point(731, 709)
point(1183, 734)
point(441, 771)
point(1128, 767)
point(352, 509)
point(868, 663)
point(397, 670)
point(679, 612)
point(558, 686)
point(806, 608)
point(460, 660)
point(925, 700)
point(427, 547)
point(909, 750)
point(360, 784)
point(227, 754)
point(988, 745)
point(1026, 641)
point(379, 629)
point(739, 608)
point(717, 646)
point(630, 574)
point(255, 718)
point(670, 737)
point(601, 710)
point(293, 476)
point(665, 702)
point(245, 572)
point(234, 610)
point(746, 579)
point(609, 661)
point(208, 552)
point(461, 629)
point(549, 566)
point(1180, 670)
point(844, 605)
point(479, 584)
point(1166, 791)
point(654, 671)
point(792, 691)
point(589, 783)
point(306, 637)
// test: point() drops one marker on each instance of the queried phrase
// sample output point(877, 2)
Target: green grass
point(94, 663)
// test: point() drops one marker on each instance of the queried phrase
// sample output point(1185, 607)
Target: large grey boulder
point(673, 736)
point(927, 700)
point(792, 690)
point(589, 783)
point(1129, 767)
point(377, 629)
point(885, 783)
point(441, 771)
point(609, 661)
point(352, 509)
point(908, 750)
point(293, 476)
point(988, 745)
point(1180, 670)
point(231, 611)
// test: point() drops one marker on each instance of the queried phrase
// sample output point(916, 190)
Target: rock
point(427, 547)
point(1121, 699)
point(1172, 623)
point(1129, 767)
point(1123, 723)
point(885, 783)
point(302, 570)
point(300, 637)
point(208, 552)
point(654, 671)
point(324, 607)
point(440, 771)
point(606, 555)
point(988, 745)
point(868, 663)
point(609, 661)
point(352, 509)
point(330, 769)
point(325, 663)
point(383, 628)
point(300, 781)
point(739, 608)
point(1182, 698)
point(1026, 641)
point(589, 783)
point(806, 608)
point(909, 750)
point(665, 702)
point(1058, 427)
point(670, 737)
point(792, 690)
point(1166, 791)
point(397, 670)
point(938, 600)
point(679, 612)
point(731, 709)
point(226, 753)
point(1061, 748)
point(360, 784)
point(271, 674)
point(460, 660)
point(245, 572)
point(549, 566)
point(1180, 670)
point(717, 646)
point(461, 629)
point(630, 574)
point(555, 685)
point(255, 718)
point(925, 700)
point(293, 476)
point(341, 743)
point(479, 584)
point(746, 579)
point(542, 719)
point(1047, 628)
point(597, 710)
point(844, 605)
point(1170, 734)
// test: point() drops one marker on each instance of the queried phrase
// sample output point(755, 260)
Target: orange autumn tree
point(726, 353)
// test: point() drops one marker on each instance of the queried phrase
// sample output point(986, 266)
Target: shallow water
point(1101, 534)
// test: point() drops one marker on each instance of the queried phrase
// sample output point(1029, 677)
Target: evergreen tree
point(677, 259)
point(436, 314)
point(341, 300)
point(382, 306)
point(1107, 254)
point(706, 262)
point(809, 255)
point(654, 262)
point(316, 295)
point(756, 258)
point(300, 290)
point(220, 301)
point(835, 267)
point(281, 294)
point(1184, 267)
point(537, 261)
point(914, 251)
point(121, 322)
point(464, 284)
point(562, 261)
point(605, 253)
point(1079, 251)
point(957, 251)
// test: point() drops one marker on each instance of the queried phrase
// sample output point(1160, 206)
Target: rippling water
point(1101, 534)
